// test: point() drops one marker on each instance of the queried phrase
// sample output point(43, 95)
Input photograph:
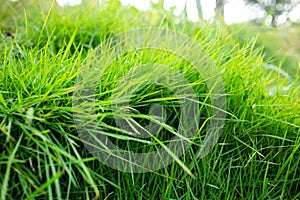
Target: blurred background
point(274, 12)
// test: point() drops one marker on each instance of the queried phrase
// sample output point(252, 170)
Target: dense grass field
point(43, 51)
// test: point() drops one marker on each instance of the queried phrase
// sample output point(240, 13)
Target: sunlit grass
point(43, 157)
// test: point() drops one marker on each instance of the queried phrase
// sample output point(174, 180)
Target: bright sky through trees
point(235, 10)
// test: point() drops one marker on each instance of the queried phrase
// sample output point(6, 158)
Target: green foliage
point(274, 8)
point(283, 53)
point(42, 156)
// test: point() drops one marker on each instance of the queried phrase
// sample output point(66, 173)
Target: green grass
point(43, 157)
point(280, 44)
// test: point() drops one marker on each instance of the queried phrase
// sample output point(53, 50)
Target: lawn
point(71, 77)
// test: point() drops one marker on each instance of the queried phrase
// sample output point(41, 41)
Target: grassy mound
point(43, 157)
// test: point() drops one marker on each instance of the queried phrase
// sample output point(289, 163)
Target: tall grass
point(43, 157)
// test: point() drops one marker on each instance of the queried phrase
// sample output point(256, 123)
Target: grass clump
point(43, 157)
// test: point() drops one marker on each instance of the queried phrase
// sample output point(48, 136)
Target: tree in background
point(199, 8)
point(274, 8)
point(219, 10)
